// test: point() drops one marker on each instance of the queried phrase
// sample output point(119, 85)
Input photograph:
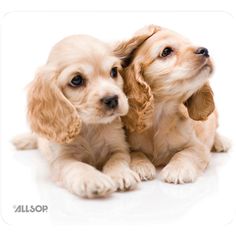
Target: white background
point(25, 43)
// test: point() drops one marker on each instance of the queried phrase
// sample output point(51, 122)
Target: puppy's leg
point(142, 166)
point(186, 165)
point(81, 179)
point(25, 141)
point(117, 167)
point(221, 143)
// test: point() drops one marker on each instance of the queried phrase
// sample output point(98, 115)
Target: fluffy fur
point(172, 120)
point(81, 137)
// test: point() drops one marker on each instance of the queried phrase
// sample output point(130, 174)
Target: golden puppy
point(172, 119)
point(74, 106)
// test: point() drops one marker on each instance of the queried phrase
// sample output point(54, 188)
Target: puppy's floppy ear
point(125, 49)
point(50, 114)
point(201, 104)
point(140, 97)
point(137, 90)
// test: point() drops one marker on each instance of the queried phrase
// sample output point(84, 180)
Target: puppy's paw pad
point(125, 179)
point(179, 173)
point(92, 186)
point(221, 144)
point(145, 170)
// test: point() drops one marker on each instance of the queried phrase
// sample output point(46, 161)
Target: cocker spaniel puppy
point(74, 108)
point(172, 119)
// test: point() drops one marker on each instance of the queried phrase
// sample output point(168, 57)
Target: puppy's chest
point(101, 141)
point(98, 143)
point(160, 141)
point(169, 137)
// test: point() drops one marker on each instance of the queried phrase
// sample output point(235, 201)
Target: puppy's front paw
point(179, 172)
point(145, 169)
point(90, 185)
point(124, 178)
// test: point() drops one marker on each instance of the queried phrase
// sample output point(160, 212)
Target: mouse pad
point(29, 196)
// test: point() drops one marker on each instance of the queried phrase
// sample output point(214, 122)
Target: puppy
point(74, 106)
point(172, 120)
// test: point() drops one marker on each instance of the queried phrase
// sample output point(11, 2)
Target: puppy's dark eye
point(77, 81)
point(166, 52)
point(114, 72)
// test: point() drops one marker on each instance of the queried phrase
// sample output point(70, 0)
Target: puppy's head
point(79, 84)
point(172, 68)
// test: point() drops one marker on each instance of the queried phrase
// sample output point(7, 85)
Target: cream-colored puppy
point(74, 106)
point(172, 119)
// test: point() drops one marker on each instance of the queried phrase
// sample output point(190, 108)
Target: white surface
point(26, 41)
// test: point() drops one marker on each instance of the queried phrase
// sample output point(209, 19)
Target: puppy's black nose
point(110, 101)
point(202, 51)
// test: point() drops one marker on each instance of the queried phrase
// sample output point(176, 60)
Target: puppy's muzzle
point(202, 51)
point(110, 102)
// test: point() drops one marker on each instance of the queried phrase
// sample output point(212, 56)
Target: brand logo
point(30, 208)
